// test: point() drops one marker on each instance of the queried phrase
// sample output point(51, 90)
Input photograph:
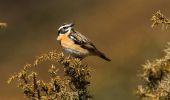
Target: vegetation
point(72, 86)
point(156, 74)
point(159, 19)
point(156, 79)
point(3, 24)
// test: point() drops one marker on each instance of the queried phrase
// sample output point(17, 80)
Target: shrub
point(72, 86)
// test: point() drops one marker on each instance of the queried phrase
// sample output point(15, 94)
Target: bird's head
point(65, 28)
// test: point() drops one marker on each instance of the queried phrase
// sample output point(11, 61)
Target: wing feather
point(84, 42)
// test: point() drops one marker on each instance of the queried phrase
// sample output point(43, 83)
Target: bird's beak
point(59, 38)
point(72, 24)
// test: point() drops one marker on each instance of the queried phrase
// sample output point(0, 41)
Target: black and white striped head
point(65, 28)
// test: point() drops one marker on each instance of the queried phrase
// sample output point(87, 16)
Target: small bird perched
point(76, 44)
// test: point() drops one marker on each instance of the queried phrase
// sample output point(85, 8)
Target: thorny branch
point(159, 19)
point(156, 79)
point(73, 86)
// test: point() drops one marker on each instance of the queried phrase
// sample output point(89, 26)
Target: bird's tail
point(101, 55)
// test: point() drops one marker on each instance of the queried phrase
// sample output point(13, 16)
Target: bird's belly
point(73, 49)
point(76, 53)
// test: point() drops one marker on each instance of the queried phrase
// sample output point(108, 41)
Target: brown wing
point(80, 39)
point(85, 43)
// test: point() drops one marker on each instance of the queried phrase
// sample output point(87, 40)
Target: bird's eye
point(59, 31)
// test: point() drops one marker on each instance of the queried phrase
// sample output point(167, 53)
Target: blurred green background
point(120, 28)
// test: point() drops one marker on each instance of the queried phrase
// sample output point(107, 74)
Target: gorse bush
point(159, 19)
point(72, 86)
point(156, 74)
point(156, 79)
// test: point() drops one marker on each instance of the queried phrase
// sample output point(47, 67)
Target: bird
point(76, 44)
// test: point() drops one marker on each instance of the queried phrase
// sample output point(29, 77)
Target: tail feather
point(101, 55)
point(104, 57)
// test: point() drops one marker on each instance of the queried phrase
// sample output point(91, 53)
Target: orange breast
point(69, 44)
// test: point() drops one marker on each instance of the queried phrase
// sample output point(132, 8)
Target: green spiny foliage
point(73, 86)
